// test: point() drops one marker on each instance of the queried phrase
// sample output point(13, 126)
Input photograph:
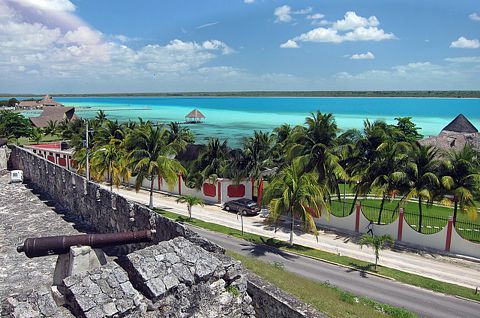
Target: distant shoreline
point(369, 94)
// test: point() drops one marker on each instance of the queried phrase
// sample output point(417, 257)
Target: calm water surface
point(233, 118)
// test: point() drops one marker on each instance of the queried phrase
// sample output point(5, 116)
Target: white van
point(16, 176)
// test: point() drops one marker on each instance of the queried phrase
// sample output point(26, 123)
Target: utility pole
point(344, 189)
point(88, 151)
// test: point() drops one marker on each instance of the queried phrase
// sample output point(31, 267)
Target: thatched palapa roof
point(54, 114)
point(458, 133)
point(461, 125)
point(195, 114)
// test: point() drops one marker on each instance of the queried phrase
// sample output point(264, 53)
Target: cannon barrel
point(55, 245)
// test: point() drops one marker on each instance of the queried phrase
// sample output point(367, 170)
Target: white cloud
point(320, 35)
point(359, 29)
point(303, 11)
point(248, 1)
point(283, 14)
point(352, 21)
point(464, 59)
point(363, 56)
point(474, 16)
point(417, 75)
point(80, 53)
point(368, 34)
point(316, 16)
point(464, 43)
point(290, 44)
point(47, 5)
point(83, 35)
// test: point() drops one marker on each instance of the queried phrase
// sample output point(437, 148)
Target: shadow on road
point(362, 269)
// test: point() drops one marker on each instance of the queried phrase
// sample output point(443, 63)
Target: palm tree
point(121, 172)
point(103, 161)
point(191, 201)
point(387, 169)
point(363, 154)
point(296, 194)
point(422, 170)
point(283, 141)
point(151, 156)
point(317, 148)
point(51, 128)
point(377, 243)
point(110, 132)
point(461, 180)
point(211, 158)
point(257, 152)
point(36, 135)
point(179, 136)
point(100, 117)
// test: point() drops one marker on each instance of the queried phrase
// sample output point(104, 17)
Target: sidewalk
point(443, 268)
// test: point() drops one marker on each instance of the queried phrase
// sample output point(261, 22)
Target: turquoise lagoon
point(236, 117)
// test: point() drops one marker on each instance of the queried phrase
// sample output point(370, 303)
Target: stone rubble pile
point(183, 280)
point(103, 292)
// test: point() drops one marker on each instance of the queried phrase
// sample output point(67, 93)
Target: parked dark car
point(245, 206)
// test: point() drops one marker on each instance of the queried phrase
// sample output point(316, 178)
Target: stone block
point(103, 292)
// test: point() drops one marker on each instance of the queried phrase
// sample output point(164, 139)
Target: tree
point(103, 161)
point(100, 117)
point(387, 169)
point(364, 153)
point(14, 125)
point(317, 149)
point(409, 129)
point(377, 243)
point(36, 135)
point(51, 128)
point(257, 152)
point(461, 180)
point(212, 158)
point(422, 180)
point(296, 194)
point(179, 137)
point(151, 156)
point(191, 201)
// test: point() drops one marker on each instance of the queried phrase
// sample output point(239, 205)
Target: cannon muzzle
point(55, 245)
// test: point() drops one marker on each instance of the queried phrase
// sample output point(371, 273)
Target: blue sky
point(88, 46)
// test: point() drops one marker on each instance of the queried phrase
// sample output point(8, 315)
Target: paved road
point(423, 302)
point(443, 268)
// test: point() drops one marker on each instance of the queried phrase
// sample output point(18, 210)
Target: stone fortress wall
point(187, 282)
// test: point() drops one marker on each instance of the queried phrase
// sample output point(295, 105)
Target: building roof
point(46, 101)
point(28, 103)
point(54, 113)
point(195, 114)
point(461, 125)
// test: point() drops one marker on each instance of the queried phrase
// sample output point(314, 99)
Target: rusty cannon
point(57, 245)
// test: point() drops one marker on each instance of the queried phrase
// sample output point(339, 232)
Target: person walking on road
point(370, 228)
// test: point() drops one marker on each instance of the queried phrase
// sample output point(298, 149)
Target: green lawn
point(324, 297)
point(435, 217)
point(412, 279)
point(47, 138)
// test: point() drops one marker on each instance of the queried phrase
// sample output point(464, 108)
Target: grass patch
point(28, 141)
point(323, 296)
point(404, 277)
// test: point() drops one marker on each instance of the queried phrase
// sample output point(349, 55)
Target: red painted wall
point(51, 158)
point(62, 162)
point(236, 190)
point(209, 190)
